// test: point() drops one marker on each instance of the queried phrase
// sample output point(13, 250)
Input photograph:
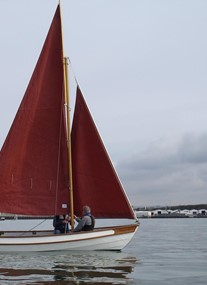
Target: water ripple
point(74, 268)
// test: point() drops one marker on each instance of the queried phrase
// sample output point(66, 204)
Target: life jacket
point(89, 227)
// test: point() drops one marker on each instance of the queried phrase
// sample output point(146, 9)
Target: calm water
point(163, 251)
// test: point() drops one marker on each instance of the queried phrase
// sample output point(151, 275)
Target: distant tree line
point(180, 207)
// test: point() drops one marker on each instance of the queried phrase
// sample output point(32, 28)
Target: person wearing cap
point(86, 222)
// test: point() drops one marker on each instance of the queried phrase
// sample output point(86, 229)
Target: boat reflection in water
point(76, 268)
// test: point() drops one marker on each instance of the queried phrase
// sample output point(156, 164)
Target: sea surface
point(162, 252)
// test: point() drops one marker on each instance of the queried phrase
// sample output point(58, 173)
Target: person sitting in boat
point(86, 222)
point(60, 223)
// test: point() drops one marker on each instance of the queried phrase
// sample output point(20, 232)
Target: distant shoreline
point(175, 207)
point(171, 216)
point(173, 212)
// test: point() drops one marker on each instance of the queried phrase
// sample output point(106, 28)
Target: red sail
point(33, 164)
point(95, 182)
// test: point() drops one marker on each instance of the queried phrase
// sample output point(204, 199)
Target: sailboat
point(48, 168)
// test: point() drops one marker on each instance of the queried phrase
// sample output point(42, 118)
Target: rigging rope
point(33, 227)
point(73, 71)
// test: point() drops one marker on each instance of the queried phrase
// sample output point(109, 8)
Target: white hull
point(110, 238)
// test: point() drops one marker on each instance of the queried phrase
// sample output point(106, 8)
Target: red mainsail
point(95, 182)
point(34, 176)
point(33, 162)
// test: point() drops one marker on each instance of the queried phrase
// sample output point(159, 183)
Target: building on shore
point(161, 213)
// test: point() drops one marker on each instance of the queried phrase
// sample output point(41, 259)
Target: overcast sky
point(142, 66)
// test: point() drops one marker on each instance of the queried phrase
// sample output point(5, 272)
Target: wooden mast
point(67, 105)
point(69, 141)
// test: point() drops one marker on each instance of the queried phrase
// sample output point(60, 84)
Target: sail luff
point(69, 142)
point(67, 107)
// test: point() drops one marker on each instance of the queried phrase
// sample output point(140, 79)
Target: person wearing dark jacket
point(60, 224)
point(86, 222)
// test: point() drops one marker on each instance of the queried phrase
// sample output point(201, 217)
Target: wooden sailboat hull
point(110, 238)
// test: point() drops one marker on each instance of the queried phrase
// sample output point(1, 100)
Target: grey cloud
point(169, 175)
point(193, 149)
